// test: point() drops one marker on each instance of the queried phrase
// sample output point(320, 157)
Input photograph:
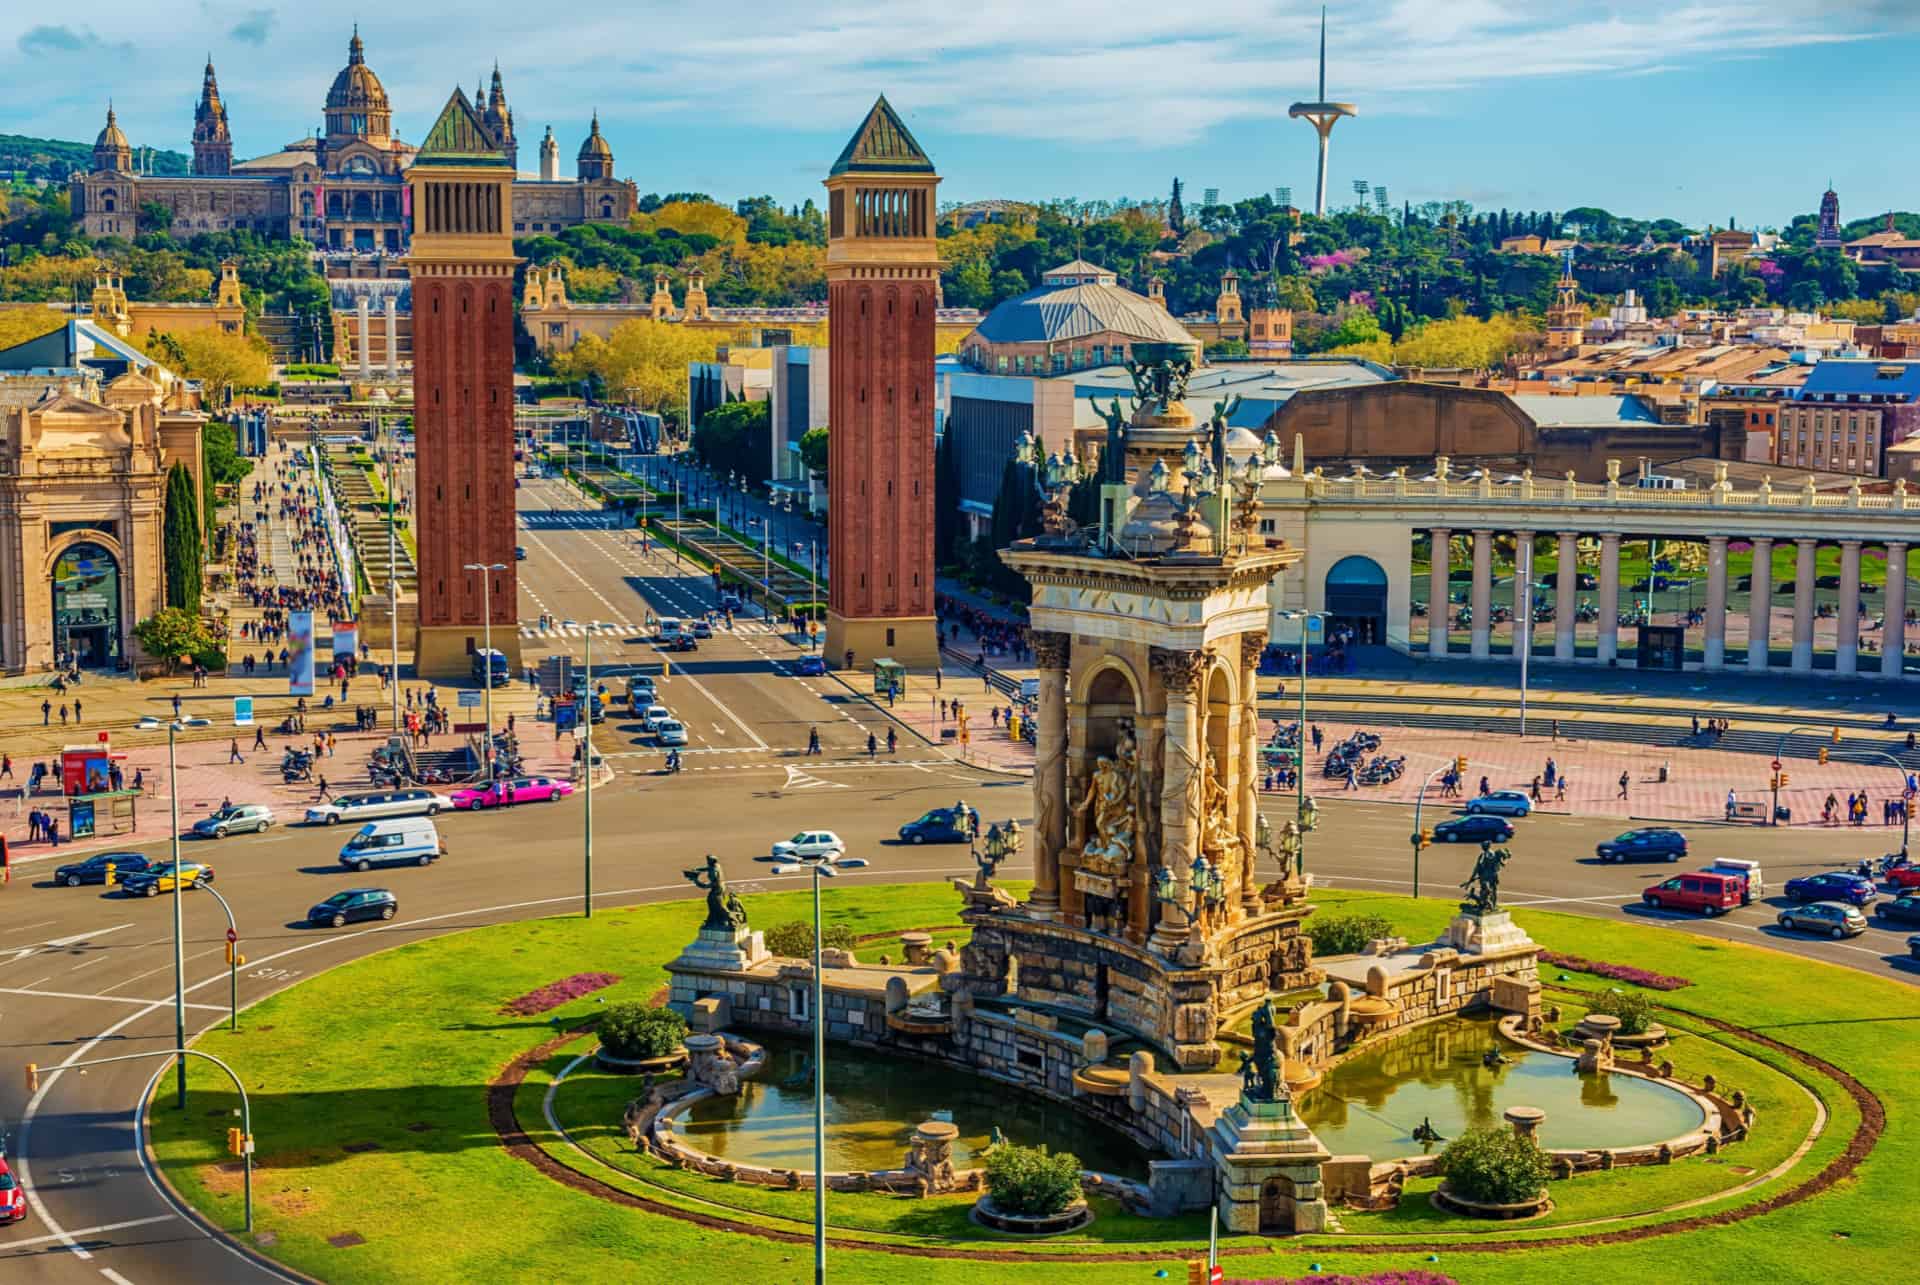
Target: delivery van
point(412, 841)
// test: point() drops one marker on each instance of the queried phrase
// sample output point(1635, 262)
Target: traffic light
point(1836, 736)
point(235, 1140)
point(1423, 839)
point(113, 876)
point(1784, 778)
point(1823, 754)
point(33, 1077)
point(1460, 765)
point(230, 955)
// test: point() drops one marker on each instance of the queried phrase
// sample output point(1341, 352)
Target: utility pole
point(586, 762)
point(179, 948)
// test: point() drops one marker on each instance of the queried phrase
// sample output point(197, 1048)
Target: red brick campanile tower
point(883, 279)
point(462, 266)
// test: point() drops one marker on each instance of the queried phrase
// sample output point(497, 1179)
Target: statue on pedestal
point(724, 911)
point(1260, 1073)
point(1105, 814)
point(1483, 885)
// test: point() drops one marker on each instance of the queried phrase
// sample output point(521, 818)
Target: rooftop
point(1549, 411)
point(1847, 377)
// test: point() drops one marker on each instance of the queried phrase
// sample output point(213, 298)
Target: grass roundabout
point(403, 1131)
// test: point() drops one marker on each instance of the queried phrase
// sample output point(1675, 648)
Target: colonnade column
point(1566, 588)
point(1439, 609)
point(1248, 810)
point(364, 342)
point(1760, 605)
point(1051, 651)
point(1482, 594)
point(1893, 635)
point(1179, 671)
point(1522, 596)
point(1609, 643)
point(1716, 601)
point(393, 337)
point(1846, 651)
point(1803, 606)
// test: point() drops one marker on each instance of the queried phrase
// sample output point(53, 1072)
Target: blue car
point(1500, 803)
point(1835, 885)
point(810, 667)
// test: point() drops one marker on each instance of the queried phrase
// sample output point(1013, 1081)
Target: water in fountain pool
point(873, 1104)
point(1371, 1104)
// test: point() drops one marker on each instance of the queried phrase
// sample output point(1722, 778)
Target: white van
point(1753, 883)
point(668, 627)
point(415, 841)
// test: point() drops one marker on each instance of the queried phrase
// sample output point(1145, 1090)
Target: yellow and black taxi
point(155, 880)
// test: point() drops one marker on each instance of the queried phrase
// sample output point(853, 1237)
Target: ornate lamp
point(1200, 876)
point(1190, 458)
point(1159, 478)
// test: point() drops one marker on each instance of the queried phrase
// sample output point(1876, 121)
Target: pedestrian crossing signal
point(1836, 736)
point(236, 1140)
point(33, 1077)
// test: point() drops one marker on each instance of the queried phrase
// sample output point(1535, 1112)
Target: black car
point(942, 825)
point(1901, 910)
point(681, 642)
point(1476, 828)
point(1651, 844)
point(94, 868)
point(354, 903)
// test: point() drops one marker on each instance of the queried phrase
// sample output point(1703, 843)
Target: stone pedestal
point(727, 949)
point(710, 1064)
point(1268, 1163)
point(1485, 934)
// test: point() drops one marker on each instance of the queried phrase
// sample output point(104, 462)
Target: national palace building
point(342, 189)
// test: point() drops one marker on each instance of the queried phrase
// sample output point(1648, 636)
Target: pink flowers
point(1371, 1278)
point(1614, 972)
point(554, 994)
point(1325, 262)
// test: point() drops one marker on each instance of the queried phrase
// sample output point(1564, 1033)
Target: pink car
point(510, 790)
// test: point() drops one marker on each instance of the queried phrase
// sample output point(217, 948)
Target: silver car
point(1834, 918)
point(248, 818)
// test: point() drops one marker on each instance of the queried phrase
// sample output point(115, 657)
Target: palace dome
point(112, 137)
point(596, 147)
point(356, 88)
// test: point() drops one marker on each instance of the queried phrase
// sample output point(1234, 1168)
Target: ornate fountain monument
point(1147, 913)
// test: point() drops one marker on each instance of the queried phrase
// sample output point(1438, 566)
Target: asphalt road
point(89, 974)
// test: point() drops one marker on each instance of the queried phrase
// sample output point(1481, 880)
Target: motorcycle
point(673, 761)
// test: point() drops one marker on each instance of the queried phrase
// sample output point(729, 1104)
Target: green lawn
point(395, 1051)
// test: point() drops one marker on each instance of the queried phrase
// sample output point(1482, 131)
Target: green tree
point(1016, 515)
point(1032, 1180)
point(813, 450)
point(725, 438)
point(946, 501)
point(170, 633)
point(185, 554)
point(634, 1030)
point(1493, 1165)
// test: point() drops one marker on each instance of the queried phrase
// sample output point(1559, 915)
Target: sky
point(1701, 110)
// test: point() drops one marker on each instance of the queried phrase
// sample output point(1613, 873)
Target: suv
point(1703, 893)
point(373, 807)
point(247, 818)
point(1643, 845)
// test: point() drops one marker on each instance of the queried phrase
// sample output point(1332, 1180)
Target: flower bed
point(554, 994)
point(1371, 1278)
point(1615, 972)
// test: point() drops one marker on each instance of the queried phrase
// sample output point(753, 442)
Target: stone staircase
point(284, 334)
point(353, 490)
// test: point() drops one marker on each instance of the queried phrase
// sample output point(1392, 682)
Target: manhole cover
point(355, 1148)
point(419, 1126)
point(346, 1240)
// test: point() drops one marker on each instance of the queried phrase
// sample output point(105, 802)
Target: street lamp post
point(828, 866)
point(1306, 619)
point(486, 611)
point(393, 592)
point(1419, 835)
point(179, 948)
point(586, 762)
point(233, 959)
point(1523, 627)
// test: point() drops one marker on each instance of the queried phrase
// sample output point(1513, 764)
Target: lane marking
point(114, 1276)
point(88, 1231)
point(110, 999)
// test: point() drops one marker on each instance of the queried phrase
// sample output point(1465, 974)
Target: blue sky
point(1698, 109)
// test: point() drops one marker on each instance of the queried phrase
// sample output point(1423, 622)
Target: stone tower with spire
point(1567, 317)
point(462, 265)
point(549, 158)
point(883, 273)
point(499, 120)
point(1828, 237)
point(212, 143)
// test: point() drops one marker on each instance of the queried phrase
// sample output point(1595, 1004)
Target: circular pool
point(873, 1104)
point(1371, 1104)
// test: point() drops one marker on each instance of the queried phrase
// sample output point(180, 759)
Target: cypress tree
point(946, 499)
point(185, 556)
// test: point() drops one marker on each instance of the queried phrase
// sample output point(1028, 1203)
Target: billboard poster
point(300, 653)
point(346, 638)
point(243, 711)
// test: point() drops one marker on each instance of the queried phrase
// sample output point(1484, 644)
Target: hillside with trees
point(54, 159)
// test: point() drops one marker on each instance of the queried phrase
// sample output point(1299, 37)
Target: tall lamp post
point(486, 570)
point(586, 764)
point(1306, 619)
point(393, 588)
point(179, 948)
point(828, 866)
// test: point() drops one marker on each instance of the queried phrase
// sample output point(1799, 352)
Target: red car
point(1702, 893)
point(13, 1197)
point(1904, 877)
point(511, 790)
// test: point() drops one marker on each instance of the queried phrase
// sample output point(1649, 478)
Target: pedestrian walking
point(1556, 730)
point(893, 742)
point(873, 746)
point(76, 709)
point(233, 751)
point(176, 705)
point(63, 714)
point(1560, 790)
point(6, 767)
point(259, 737)
point(53, 830)
point(1624, 779)
point(1535, 793)
point(813, 740)
point(46, 712)
point(320, 788)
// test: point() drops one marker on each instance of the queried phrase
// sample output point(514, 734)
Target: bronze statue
point(1113, 457)
point(1483, 885)
point(724, 911)
point(1262, 1076)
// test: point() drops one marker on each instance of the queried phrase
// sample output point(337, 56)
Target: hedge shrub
point(1635, 1011)
point(1032, 1180)
point(634, 1030)
point(1494, 1166)
point(1347, 934)
point(794, 939)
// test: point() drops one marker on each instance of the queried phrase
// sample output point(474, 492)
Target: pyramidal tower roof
point(882, 144)
point(459, 138)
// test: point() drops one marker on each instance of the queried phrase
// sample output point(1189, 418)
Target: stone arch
point(95, 634)
point(1356, 592)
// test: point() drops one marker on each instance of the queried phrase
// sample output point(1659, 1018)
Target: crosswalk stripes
point(574, 629)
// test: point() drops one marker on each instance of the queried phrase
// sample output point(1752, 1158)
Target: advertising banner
point(300, 653)
point(346, 638)
point(243, 711)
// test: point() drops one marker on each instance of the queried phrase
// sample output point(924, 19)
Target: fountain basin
point(1371, 1103)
